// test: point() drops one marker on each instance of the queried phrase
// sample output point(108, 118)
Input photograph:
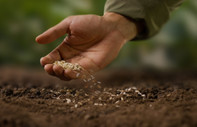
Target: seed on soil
point(76, 105)
point(96, 98)
point(68, 101)
point(134, 88)
point(98, 104)
point(116, 102)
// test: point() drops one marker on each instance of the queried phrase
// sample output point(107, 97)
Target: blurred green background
point(174, 48)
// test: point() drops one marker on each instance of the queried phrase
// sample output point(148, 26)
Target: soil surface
point(31, 98)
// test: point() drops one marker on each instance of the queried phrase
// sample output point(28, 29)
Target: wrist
point(126, 27)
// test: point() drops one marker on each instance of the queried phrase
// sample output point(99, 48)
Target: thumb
point(53, 33)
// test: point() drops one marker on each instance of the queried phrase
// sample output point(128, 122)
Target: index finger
point(53, 33)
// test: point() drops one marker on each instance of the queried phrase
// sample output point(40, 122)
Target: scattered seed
point(92, 76)
point(68, 100)
point(99, 82)
point(116, 102)
point(98, 104)
point(79, 103)
point(134, 88)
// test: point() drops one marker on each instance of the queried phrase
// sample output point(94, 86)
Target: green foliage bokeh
point(22, 20)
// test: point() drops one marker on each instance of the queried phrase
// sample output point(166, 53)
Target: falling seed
point(86, 76)
point(76, 105)
point(92, 76)
point(116, 102)
point(99, 82)
point(77, 75)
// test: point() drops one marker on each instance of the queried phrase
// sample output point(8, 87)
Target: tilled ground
point(32, 98)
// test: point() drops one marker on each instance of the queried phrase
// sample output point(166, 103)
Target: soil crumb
point(31, 98)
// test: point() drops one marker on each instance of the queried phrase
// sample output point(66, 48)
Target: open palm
point(91, 41)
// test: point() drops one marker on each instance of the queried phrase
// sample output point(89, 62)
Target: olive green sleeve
point(151, 14)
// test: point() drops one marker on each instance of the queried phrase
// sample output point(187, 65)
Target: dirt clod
point(165, 101)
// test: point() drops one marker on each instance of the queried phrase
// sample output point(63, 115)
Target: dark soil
point(32, 98)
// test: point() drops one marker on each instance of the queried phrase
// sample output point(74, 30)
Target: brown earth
point(32, 98)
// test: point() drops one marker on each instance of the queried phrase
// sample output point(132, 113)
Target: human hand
point(92, 41)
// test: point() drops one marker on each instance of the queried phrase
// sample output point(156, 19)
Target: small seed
point(77, 75)
point(68, 100)
point(99, 82)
